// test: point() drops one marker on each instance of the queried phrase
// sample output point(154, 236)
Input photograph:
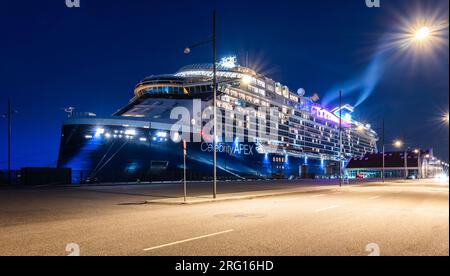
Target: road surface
point(397, 218)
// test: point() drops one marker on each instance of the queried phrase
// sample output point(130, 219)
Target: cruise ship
point(264, 131)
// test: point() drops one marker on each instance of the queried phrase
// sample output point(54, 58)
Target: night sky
point(91, 57)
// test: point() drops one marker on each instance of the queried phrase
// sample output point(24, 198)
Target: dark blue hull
point(146, 157)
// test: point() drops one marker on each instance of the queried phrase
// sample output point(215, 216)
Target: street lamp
point(8, 116)
point(427, 167)
point(340, 138)
point(399, 144)
point(423, 33)
point(419, 164)
point(445, 118)
point(214, 64)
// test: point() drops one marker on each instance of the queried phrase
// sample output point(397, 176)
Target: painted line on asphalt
point(188, 240)
point(328, 208)
point(315, 196)
point(374, 197)
point(289, 199)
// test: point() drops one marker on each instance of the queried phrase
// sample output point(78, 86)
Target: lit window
point(130, 132)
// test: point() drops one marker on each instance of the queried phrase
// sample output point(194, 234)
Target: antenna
point(69, 110)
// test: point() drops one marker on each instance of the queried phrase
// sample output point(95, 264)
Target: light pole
point(406, 162)
point(214, 66)
point(215, 103)
point(184, 169)
point(9, 140)
point(400, 144)
point(383, 171)
point(340, 138)
point(419, 163)
point(8, 116)
point(427, 167)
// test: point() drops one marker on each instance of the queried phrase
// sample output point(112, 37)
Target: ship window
point(159, 164)
point(261, 83)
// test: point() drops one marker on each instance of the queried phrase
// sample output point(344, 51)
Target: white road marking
point(188, 240)
point(289, 199)
point(328, 208)
point(374, 197)
point(318, 195)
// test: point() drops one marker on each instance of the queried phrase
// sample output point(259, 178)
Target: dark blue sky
point(91, 58)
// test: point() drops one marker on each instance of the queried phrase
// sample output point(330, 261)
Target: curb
point(179, 201)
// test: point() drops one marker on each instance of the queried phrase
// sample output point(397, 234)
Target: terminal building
point(421, 164)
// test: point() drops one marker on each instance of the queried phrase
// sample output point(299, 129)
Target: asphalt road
point(401, 218)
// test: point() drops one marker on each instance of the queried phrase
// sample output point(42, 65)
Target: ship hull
point(110, 155)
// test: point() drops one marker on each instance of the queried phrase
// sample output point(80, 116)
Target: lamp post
point(383, 171)
point(427, 167)
point(406, 162)
point(8, 116)
point(215, 103)
point(214, 69)
point(419, 164)
point(340, 138)
point(184, 170)
point(9, 140)
point(400, 144)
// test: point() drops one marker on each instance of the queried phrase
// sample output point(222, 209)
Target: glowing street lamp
point(445, 118)
point(423, 33)
point(419, 163)
point(398, 143)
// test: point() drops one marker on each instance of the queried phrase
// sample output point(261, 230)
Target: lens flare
point(445, 118)
point(423, 33)
point(416, 37)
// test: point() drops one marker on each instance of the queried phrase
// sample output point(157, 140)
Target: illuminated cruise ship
point(296, 138)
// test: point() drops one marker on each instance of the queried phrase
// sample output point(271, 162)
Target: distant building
point(417, 165)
